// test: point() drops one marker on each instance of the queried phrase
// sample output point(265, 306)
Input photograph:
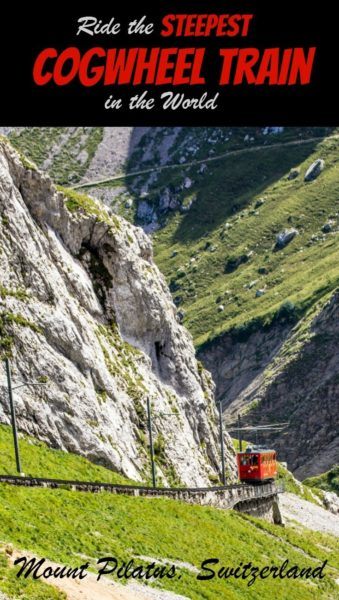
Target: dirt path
point(105, 589)
point(198, 161)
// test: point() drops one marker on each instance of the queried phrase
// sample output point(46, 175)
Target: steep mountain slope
point(264, 315)
point(260, 312)
point(85, 310)
point(294, 377)
point(73, 154)
point(91, 526)
point(219, 255)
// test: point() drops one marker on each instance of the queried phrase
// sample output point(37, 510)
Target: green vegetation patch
point(328, 482)
point(77, 202)
point(64, 152)
point(38, 460)
point(293, 486)
point(7, 321)
point(19, 294)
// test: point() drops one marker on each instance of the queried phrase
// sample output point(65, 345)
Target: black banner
point(212, 63)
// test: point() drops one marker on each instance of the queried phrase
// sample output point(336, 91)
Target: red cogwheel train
point(257, 465)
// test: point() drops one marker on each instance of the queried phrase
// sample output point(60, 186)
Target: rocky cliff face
point(248, 245)
point(84, 310)
point(286, 373)
point(309, 378)
point(239, 366)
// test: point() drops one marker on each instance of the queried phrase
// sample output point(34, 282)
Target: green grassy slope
point(199, 143)
point(292, 485)
point(40, 461)
point(61, 525)
point(328, 482)
point(69, 150)
point(67, 526)
point(195, 250)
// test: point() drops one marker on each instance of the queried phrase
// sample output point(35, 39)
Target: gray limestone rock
point(99, 323)
point(314, 170)
point(327, 228)
point(293, 174)
point(285, 237)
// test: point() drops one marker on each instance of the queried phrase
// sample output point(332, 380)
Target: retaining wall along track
point(257, 500)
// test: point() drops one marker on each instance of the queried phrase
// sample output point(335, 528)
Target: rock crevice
point(94, 317)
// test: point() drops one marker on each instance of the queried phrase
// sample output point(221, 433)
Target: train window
point(254, 460)
point(244, 460)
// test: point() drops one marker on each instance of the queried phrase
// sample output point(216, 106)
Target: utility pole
point(13, 418)
point(149, 421)
point(239, 433)
point(223, 475)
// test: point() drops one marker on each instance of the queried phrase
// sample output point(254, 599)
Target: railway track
point(196, 162)
point(43, 481)
point(260, 489)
